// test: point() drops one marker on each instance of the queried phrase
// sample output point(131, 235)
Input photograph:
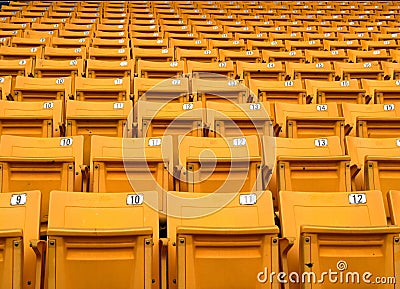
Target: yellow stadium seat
point(15, 67)
point(320, 70)
point(322, 56)
point(335, 91)
point(365, 56)
point(59, 42)
point(214, 165)
point(382, 91)
point(59, 68)
point(53, 53)
point(391, 70)
point(212, 70)
point(232, 45)
point(42, 89)
point(279, 91)
point(343, 231)
point(35, 119)
point(275, 46)
point(221, 90)
point(9, 53)
point(159, 55)
point(377, 45)
point(208, 55)
point(260, 71)
point(305, 164)
point(97, 118)
point(156, 119)
point(302, 45)
point(121, 54)
point(30, 42)
point(336, 45)
point(162, 90)
point(188, 44)
point(22, 262)
point(109, 68)
point(305, 121)
point(366, 70)
point(372, 120)
point(132, 165)
point(162, 70)
point(119, 43)
point(211, 250)
point(102, 89)
point(374, 164)
point(283, 56)
point(119, 229)
point(239, 119)
point(149, 43)
point(43, 164)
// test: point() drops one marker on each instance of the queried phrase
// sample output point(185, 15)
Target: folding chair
point(20, 53)
point(109, 54)
point(35, 119)
point(305, 164)
point(218, 165)
point(132, 165)
point(126, 245)
point(97, 118)
point(42, 163)
point(221, 90)
point(260, 71)
point(208, 55)
point(103, 89)
point(232, 234)
point(212, 70)
point(41, 89)
point(335, 91)
point(381, 91)
point(22, 262)
point(390, 70)
point(365, 56)
point(109, 68)
point(320, 70)
point(374, 164)
point(239, 119)
point(160, 70)
point(160, 90)
point(366, 70)
point(345, 221)
point(306, 121)
point(372, 120)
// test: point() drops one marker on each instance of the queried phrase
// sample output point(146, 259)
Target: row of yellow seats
point(101, 241)
point(193, 164)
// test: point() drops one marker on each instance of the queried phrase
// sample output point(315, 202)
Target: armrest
point(354, 170)
point(347, 129)
point(39, 247)
point(85, 177)
point(135, 132)
point(277, 129)
point(163, 245)
point(284, 246)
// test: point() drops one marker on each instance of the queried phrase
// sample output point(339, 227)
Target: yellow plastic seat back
point(35, 119)
point(19, 225)
point(29, 163)
point(337, 231)
point(306, 164)
point(218, 164)
point(217, 236)
point(99, 241)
